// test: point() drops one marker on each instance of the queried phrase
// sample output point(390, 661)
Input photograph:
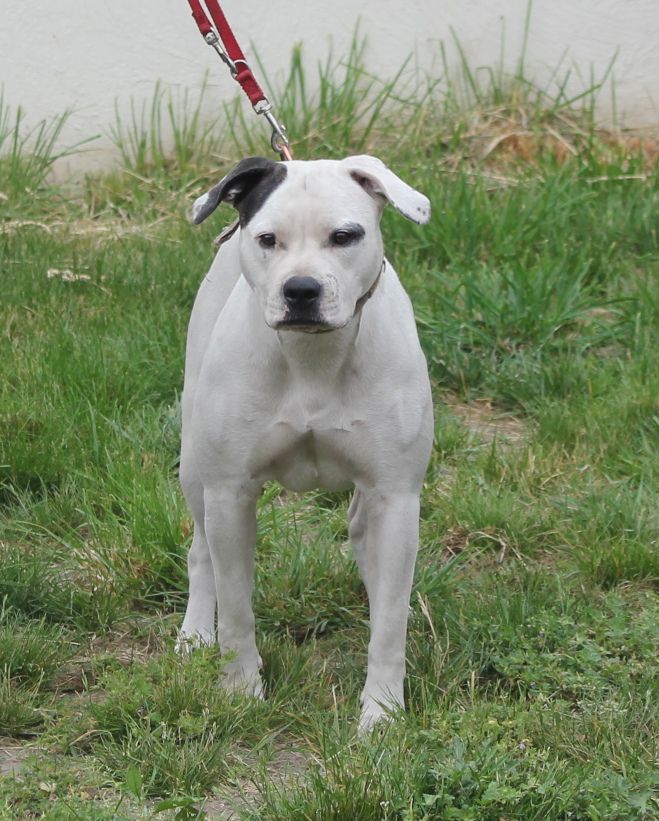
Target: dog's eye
point(346, 236)
point(341, 237)
point(267, 240)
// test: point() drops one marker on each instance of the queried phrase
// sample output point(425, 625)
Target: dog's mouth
point(304, 324)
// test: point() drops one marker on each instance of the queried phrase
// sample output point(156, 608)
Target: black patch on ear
point(246, 187)
point(253, 197)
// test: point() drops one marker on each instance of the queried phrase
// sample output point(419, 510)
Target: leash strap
point(239, 68)
point(222, 39)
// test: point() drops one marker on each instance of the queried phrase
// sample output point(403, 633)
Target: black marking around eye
point(348, 234)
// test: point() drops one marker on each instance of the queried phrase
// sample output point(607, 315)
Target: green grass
point(532, 685)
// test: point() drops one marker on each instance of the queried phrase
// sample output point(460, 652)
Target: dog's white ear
point(237, 185)
point(380, 182)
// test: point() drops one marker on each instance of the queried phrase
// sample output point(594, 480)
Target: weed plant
point(532, 686)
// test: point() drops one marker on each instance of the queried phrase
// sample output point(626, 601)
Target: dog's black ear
point(250, 174)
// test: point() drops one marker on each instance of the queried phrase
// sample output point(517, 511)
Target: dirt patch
point(284, 771)
point(488, 423)
point(100, 230)
point(454, 541)
point(510, 138)
point(12, 757)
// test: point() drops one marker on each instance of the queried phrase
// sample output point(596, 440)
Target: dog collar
point(227, 232)
point(364, 298)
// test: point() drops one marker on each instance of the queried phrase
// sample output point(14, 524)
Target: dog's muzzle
point(302, 296)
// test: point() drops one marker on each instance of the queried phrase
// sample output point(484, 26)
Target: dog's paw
point(187, 642)
point(380, 705)
point(237, 680)
point(373, 716)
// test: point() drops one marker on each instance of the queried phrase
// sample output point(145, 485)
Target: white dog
point(303, 365)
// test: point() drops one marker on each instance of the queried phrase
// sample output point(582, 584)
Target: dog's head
point(310, 243)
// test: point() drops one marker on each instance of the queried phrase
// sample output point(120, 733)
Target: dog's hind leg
point(199, 622)
point(357, 533)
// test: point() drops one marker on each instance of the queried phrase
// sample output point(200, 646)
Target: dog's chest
point(308, 446)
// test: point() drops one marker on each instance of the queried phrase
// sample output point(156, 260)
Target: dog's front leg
point(230, 523)
point(392, 541)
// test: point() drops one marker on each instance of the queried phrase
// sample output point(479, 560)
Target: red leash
point(223, 40)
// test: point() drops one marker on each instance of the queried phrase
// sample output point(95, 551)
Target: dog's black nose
point(301, 292)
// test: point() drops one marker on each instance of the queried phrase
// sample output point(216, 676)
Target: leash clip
point(223, 42)
point(278, 139)
point(214, 41)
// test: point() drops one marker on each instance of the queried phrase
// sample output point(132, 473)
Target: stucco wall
point(85, 55)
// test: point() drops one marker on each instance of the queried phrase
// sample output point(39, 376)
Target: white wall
point(85, 54)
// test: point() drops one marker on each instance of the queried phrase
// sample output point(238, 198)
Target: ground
point(532, 653)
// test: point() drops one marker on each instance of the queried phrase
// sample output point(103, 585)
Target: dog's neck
point(319, 356)
point(322, 356)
